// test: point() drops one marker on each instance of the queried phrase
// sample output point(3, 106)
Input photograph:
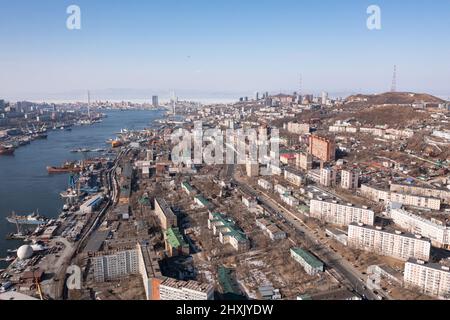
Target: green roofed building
point(228, 232)
point(202, 201)
point(310, 263)
point(187, 187)
point(175, 243)
point(145, 201)
point(230, 287)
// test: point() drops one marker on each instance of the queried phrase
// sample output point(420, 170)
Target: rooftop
point(175, 238)
point(203, 200)
point(435, 266)
point(230, 225)
point(398, 233)
point(190, 285)
point(308, 258)
point(150, 261)
point(187, 186)
point(165, 208)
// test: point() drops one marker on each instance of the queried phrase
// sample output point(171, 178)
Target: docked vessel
point(66, 168)
point(7, 150)
point(31, 219)
point(116, 143)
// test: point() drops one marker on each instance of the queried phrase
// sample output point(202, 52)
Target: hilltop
point(393, 98)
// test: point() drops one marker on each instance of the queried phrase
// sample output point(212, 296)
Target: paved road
point(333, 260)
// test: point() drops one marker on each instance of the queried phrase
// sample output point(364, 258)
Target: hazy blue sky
point(222, 46)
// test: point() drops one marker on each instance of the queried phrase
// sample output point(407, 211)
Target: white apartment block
point(328, 177)
point(304, 161)
point(252, 169)
point(349, 179)
point(343, 129)
point(115, 265)
point(416, 201)
point(439, 234)
point(340, 214)
point(430, 278)
point(266, 185)
point(440, 193)
point(293, 176)
point(249, 202)
point(271, 229)
point(298, 128)
point(281, 190)
point(387, 243)
point(386, 196)
point(174, 290)
point(290, 200)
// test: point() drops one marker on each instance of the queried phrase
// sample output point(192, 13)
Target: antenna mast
point(394, 80)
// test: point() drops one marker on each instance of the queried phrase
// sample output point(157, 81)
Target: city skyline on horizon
point(221, 50)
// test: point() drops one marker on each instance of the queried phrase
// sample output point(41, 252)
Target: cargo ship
point(31, 219)
point(7, 150)
point(66, 168)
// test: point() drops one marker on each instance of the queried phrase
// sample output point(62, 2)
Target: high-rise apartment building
point(322, 148)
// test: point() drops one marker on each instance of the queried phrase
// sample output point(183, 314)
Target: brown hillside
point(393, 98)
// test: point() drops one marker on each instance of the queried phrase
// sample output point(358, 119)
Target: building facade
point(440, 193)
point(298, 128)
point(228, 232)
point(311, 264)
point(304, 161)
point(430, 278)
point(114, 266)
point(165, 215)
point(387, 243)
point(328, 177)
point(340, 214)
point(322, 148)
point(438, 233)
point(349, 179)
point(176, 290)
point(380, 195)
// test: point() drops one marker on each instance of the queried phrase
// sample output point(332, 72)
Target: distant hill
point(392, 98)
